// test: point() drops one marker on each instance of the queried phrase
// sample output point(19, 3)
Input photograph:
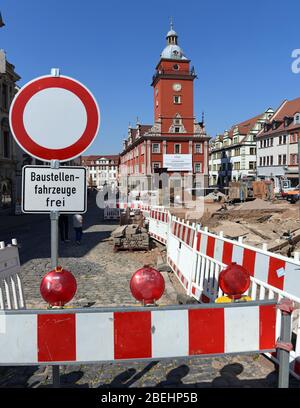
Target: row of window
point(157, 165)
point(231, 166)
point(94, 168)
point(177, 148)
point(282, 160)
point(176, 100)
point(156, 149)
point(103, 176)
point(231, 153)
point(228, 142)
point(197, 166)
point(102, 162)
point(282, 140)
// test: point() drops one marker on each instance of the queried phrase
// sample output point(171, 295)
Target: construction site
point(259, 219)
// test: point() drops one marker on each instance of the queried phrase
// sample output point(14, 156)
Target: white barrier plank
point(241, 329)
point(170, 334)
point(18, 339)
point(94, 336)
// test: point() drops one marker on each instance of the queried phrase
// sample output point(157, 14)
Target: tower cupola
point(172, 50)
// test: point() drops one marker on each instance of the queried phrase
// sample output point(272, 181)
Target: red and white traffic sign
point(54, 118)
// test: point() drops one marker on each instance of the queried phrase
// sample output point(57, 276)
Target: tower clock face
point(177, 87)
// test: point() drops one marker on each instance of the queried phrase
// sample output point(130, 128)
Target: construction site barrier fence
point(111, 213)
point(11, 288)
point(197, 256)
point(67, 336)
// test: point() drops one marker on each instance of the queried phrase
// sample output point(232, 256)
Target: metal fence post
point(284, 344)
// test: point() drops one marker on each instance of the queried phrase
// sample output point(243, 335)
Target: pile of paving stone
point(132, 236)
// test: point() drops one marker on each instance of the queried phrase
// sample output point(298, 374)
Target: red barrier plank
point(132, 335)
point(249, 260)
point(56, 337)
point(210, 247)
point(267, 324)
point(198, 241)
point(273, 279)
point(206, 331)
point(227, 252)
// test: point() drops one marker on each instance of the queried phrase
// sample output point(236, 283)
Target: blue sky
point(241, 52)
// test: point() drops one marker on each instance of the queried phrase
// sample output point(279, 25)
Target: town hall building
point(176, 142)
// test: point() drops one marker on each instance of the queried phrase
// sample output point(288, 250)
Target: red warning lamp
point(234, 280)
point(58, 287)
point(147, 285)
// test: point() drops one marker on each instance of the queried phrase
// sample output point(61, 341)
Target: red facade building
point(176, 142)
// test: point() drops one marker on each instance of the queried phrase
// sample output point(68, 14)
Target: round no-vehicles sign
point(54, 118)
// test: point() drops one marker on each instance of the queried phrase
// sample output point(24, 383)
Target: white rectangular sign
point(45, 189)
point(178, 162)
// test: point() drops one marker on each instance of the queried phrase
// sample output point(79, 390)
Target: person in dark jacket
point(63, 224)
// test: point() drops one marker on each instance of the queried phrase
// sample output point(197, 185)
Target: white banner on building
point(178, 162)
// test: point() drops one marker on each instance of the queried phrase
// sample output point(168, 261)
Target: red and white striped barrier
point(82, 336)
point(133, 205)
point(197, 257)
point(111, 213)
point(181, 255)
point(11, 287)
point(278, 271)
point(159, 225)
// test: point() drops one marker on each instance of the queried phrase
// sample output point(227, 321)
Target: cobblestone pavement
point(103, 279)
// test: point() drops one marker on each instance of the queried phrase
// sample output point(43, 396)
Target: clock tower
point(175, 142)
point(174, 89)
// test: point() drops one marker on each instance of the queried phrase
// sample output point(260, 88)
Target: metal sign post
point(54, 217)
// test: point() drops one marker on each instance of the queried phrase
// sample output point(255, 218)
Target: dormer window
point(177, 125)
point(297, 119)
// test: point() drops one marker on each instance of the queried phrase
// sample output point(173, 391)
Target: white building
point(277, 145)
point(101, 170)
point(232, 155)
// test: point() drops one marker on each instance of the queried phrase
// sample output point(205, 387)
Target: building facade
point(232, 155)
point(175, 143)
point(10, 153)
point(277, 144)
point(101, 170)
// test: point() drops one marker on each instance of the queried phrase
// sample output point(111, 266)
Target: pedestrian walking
point(77, 224)
point(63, 224)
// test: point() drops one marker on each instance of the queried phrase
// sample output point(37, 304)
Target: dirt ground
point(274, 223)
